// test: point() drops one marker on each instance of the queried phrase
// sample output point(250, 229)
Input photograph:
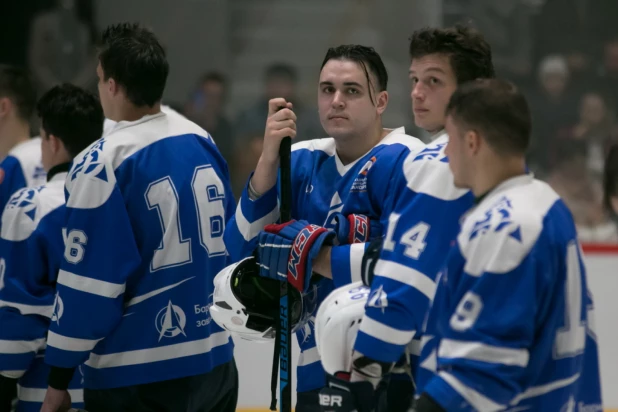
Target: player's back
point(166, 188)
point(515, 285)
point(22, 167)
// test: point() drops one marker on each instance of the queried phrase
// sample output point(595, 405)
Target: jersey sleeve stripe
point(457, 349)
point(385, 333)
point(308, 357)
point(70, 344)
point(38, 395)
point(414, 347)
point(24, 309)
point(543, 389)
point(406, 275)
point(13, 374)
point(249, 230)
point(21, 346)
point(143, 356)
point(477, 400)
point(357, 250)
point(90, 285)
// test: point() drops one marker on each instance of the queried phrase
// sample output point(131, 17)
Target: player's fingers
point(280, 125)
point(284, 114)
point(275, 104)
point(287, 132)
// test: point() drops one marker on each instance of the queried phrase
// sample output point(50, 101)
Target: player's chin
point(338, 131)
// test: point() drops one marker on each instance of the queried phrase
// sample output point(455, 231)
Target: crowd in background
point(562, 53)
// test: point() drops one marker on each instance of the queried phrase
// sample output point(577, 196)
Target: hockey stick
point(285, 327)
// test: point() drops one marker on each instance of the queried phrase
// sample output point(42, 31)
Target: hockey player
point(31, 247)
point(420, 230)
point(146, 209)
point(21, 156)
point(512, 309)
point(349, 174)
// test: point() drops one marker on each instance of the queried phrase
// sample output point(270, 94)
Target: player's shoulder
point(501, 231)
point(31, 148)
point(397, 139)
point(26, 156)
point(27, 207)
point(315, 146)
point(426, 171)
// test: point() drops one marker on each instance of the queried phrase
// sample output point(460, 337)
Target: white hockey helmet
point(337, 324)
point(247, 304)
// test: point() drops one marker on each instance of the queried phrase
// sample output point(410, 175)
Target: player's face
point(346, 110)
point(456, 153)
point(433, 83)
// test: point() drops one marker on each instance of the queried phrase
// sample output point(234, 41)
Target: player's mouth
point(337, 117)
point(420, 110)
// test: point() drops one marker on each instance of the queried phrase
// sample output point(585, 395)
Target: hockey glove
point(370, 258)
point(286, 251)
point(355, 228)
point(339, 395)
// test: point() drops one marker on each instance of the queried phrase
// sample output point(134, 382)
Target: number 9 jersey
point(511, 322)
point(146, 209)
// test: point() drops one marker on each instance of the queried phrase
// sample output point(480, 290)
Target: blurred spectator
point(582, 192)
point(594, 129)
point(608, 75)
point(206, 108)
point(62, 46)
point(553, 107)
point(610, 183)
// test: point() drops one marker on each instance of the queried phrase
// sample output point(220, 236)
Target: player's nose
point(338, 100)
point(417, 92)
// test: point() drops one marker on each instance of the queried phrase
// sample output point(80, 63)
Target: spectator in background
point(594, 129)
point(206, 108)
point(582, 192)
point(610, 183)
point(62, 46)
point(553, 107)
point(608, 73)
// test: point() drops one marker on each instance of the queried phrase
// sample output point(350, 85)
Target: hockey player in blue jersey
point(512, 312)
point(424, 222)
point(21, 156)
point(349, 174)
point(146, 208)
point(31, 248)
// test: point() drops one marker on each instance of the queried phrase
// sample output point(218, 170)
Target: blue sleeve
point(26, 294)
point(14, 179)
point(251, 216)
point(99, 256)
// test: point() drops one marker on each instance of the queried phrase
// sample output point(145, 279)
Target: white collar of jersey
point(519, 180)
point(59, 176)
point(123, 124)
point(343, 169)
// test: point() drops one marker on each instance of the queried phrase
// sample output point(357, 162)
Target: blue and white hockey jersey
point(31, 248)
point(22, 167)
point(147, 205)
point(322, 186)
point(421, 229)
point(512, 312)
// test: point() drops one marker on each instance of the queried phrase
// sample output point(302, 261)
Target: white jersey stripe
point(457, 349)
point(251, 230)
point(21, 346)
point(89, 285)
point(406, 275)
point(385, 333)
point(477, 400)
point(70, 344)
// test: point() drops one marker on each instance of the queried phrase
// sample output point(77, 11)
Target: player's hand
point(355, 228)
point(56, 401)
point(370, 259)
point(281, 122)
point(286, 251)
point(340, 395)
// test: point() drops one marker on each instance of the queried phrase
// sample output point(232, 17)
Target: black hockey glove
point(342, 396)
point(370, 258)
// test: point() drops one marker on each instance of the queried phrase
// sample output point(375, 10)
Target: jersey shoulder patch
point(499, 234)
point(426, 171)
point(27, 207)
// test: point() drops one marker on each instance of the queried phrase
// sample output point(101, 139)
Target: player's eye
point(328, 89)
point(414, 80)
point(353, 91)
point(434, 81)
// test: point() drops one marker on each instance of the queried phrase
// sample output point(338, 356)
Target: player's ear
point(113, 87)
point(381, 101)
point(472, 141)
point(54, 143)
point(5, 105)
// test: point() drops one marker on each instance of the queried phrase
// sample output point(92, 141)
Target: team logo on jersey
point(25, 201)
point(91, 163)
point(360, 183)
point(58, 310)
point(432, 152)
point(171, 321)
point(569, 406)
point(39, 172)
point(502, 221)
point(306, 331)
point(336, 206)
point(378, 299)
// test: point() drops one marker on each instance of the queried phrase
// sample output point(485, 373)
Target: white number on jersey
point(74, 244)
point(2, 271)
point(208, 195)
point(413, 239)
point(467, 312)
point(571, 339)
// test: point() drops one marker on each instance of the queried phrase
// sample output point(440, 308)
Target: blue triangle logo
point(516, 234)
point(31, 213)
point(102, 175)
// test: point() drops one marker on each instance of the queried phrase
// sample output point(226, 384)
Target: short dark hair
point(73, 115)
point(135, 59)
point(610, 178)
point(497, 110)
point(366, 57)
point(17, 85)
point(281, 70)
point(215, 77)
point(468, 51)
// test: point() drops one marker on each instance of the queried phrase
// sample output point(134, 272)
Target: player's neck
point(13, 133)
point(130, 113)
point(496, 172)
point(352, 149)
